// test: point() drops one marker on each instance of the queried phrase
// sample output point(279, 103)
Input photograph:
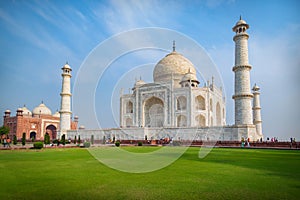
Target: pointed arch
point(129, 107)
point(201, 121)
point(52, 131)
point(128, 122)
point(218, 114)
point(181, 103)
point(32, 135)
point(200, 103)
point(154, 112)
point(181, 121)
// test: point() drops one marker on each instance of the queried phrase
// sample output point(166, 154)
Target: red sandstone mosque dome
point(42, 109)
point(26, 112)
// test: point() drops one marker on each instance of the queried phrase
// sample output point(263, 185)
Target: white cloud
point(124, 15)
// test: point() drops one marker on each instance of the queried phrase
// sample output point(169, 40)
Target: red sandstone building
point(36, 123)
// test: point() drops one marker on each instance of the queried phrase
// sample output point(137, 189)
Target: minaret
point(256, 111)
point(242, 92)
point(65, 105)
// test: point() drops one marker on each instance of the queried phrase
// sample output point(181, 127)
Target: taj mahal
point(174, 99)
point(175, 106)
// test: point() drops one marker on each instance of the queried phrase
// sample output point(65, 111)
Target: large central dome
point(172, 66)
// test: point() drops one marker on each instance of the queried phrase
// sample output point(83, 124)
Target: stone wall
point(226, 133)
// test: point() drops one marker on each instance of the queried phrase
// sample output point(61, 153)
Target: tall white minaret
point(65, 105)
point(256, 111)
point(242, 92)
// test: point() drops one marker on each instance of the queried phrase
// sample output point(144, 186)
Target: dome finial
point(240, 17)
point(174, 46)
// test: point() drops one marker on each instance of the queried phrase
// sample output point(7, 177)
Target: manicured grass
point(223, 174)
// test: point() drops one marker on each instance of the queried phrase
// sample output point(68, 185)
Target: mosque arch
point(218, 114)
point(181, 121)
point(129, 107)
point(52, 131)
point(200, 120)
point(128, 122)
point(181, 103)
point(211, 121)
point(32, 135)
point(200, 103)
point(154, 112)
point(210, 104)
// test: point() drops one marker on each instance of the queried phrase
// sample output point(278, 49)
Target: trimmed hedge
point(86, 144)
point(38, 145)
point(117, 143)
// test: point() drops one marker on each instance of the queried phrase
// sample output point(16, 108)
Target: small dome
point(56, 114)
point(81, 127)
point(7, 111)
point(189, 77)
point(240, 22)
point(66, 66)
point(19, 110)
point(255, 88)
point(26, 111)
point(139, 83)
point(42, 109)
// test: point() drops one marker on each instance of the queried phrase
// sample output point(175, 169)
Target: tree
point(46, 139)
point(92, 139)
point(79, 141)
point(23, 139)
point(63, 139)
point(15, 141)
point(4, 130)
point(75, 139)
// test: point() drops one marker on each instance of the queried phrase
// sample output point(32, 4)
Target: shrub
point(103, 140)
point(55, 141)
point(92, 139)
point(75, 139)
point(140, 143)
point(79, 141)
point(15, 141)
point(63, 139)
point(117, 143)
point(38, 145)
point(86, 144)
point(23, 139)
point(47, 139)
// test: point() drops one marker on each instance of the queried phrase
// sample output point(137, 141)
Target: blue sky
point(38, 37)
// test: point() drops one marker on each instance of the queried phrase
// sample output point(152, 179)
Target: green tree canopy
point(4, 130)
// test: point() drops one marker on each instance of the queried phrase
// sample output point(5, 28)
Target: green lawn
point(223, 174)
